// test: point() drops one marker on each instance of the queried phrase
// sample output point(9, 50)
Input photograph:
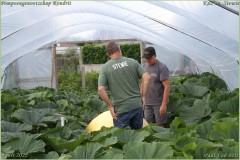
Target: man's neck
point(115, 55)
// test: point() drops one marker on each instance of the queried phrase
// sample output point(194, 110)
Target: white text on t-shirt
point(120, 65)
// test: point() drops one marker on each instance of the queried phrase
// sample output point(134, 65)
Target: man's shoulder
point(109, 62)
point(161, 64)
point(106, 65)
point(130, 59)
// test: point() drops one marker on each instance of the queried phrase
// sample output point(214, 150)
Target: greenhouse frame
point(55, 103)
point(207, 32)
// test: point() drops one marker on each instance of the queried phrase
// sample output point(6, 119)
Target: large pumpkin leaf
point(175, 107)
point(229, 142)
point(63, 145)
point(206, 153)
point(72, 144)
point(15, 127)
point(229, 106)
point(204, 129)
point(194, 114)
point(87, 114)
point(44, 111)
point(131, 144)
point(40, 95)
point(7, 136)
point(189, 147)
point(6, 152)
point(222, 96)
point(177, 123)
point(29, 117)
point(173, 88)
point(103, 132)
point(63, 132)
point(233, 132)
point(53, 118)
point(215, 116)
point(193, 90)
point(76, 128)
point(207, 144)
point(205, 148)
point(224, 130)
point(231, 152)
point(65, 156)
point(46, 104)
point(108, 141)
point(182, 143)
point(214, 83)
point(149, 151)
point(96, 104)
point(166, 136)
point(156, 128)
point(27, 144)
point(88, 151)
point(50, 155)
point(62, 104)
point(177, 79)
point(112, 153)
point(125, 136)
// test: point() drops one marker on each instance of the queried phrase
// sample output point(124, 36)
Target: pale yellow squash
point(104, 119)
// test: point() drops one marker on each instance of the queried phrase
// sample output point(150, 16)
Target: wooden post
point(80, 59)
point(54, 72)
point(141, 51)
point(83, 77)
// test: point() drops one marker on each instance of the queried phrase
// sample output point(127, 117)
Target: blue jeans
point(133, 119)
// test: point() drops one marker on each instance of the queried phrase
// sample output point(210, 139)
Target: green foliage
point(68, 61)
point(71, 81)
point(131, 51)
point(96, 54)
point(26, 145)
point(92, 80)
point(205, 125)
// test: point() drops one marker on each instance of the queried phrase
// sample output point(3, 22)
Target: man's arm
point(103, 94)
point(146, 79)
point(163, 107)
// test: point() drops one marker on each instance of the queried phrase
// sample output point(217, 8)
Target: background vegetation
point(96, 53)
point(204, 125)
point(69, 76)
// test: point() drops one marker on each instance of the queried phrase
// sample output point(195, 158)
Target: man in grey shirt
point(155, 110)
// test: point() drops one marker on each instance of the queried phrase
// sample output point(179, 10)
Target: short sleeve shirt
point(158, 72)
point(121, 77)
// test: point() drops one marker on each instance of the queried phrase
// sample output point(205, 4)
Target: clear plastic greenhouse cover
point(206, 32)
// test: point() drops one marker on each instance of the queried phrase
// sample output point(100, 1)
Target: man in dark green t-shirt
point(121, 75)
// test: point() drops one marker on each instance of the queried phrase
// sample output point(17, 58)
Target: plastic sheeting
point(32, 70)
point(194, 29)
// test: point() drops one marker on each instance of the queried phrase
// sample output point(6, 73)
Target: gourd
point(104, 119)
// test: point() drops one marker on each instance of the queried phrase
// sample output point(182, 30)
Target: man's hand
point(143, 103)
point(105, 98)
point(114, 115)
point(163, 109)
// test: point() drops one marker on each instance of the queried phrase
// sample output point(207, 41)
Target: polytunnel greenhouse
point(51, 55)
